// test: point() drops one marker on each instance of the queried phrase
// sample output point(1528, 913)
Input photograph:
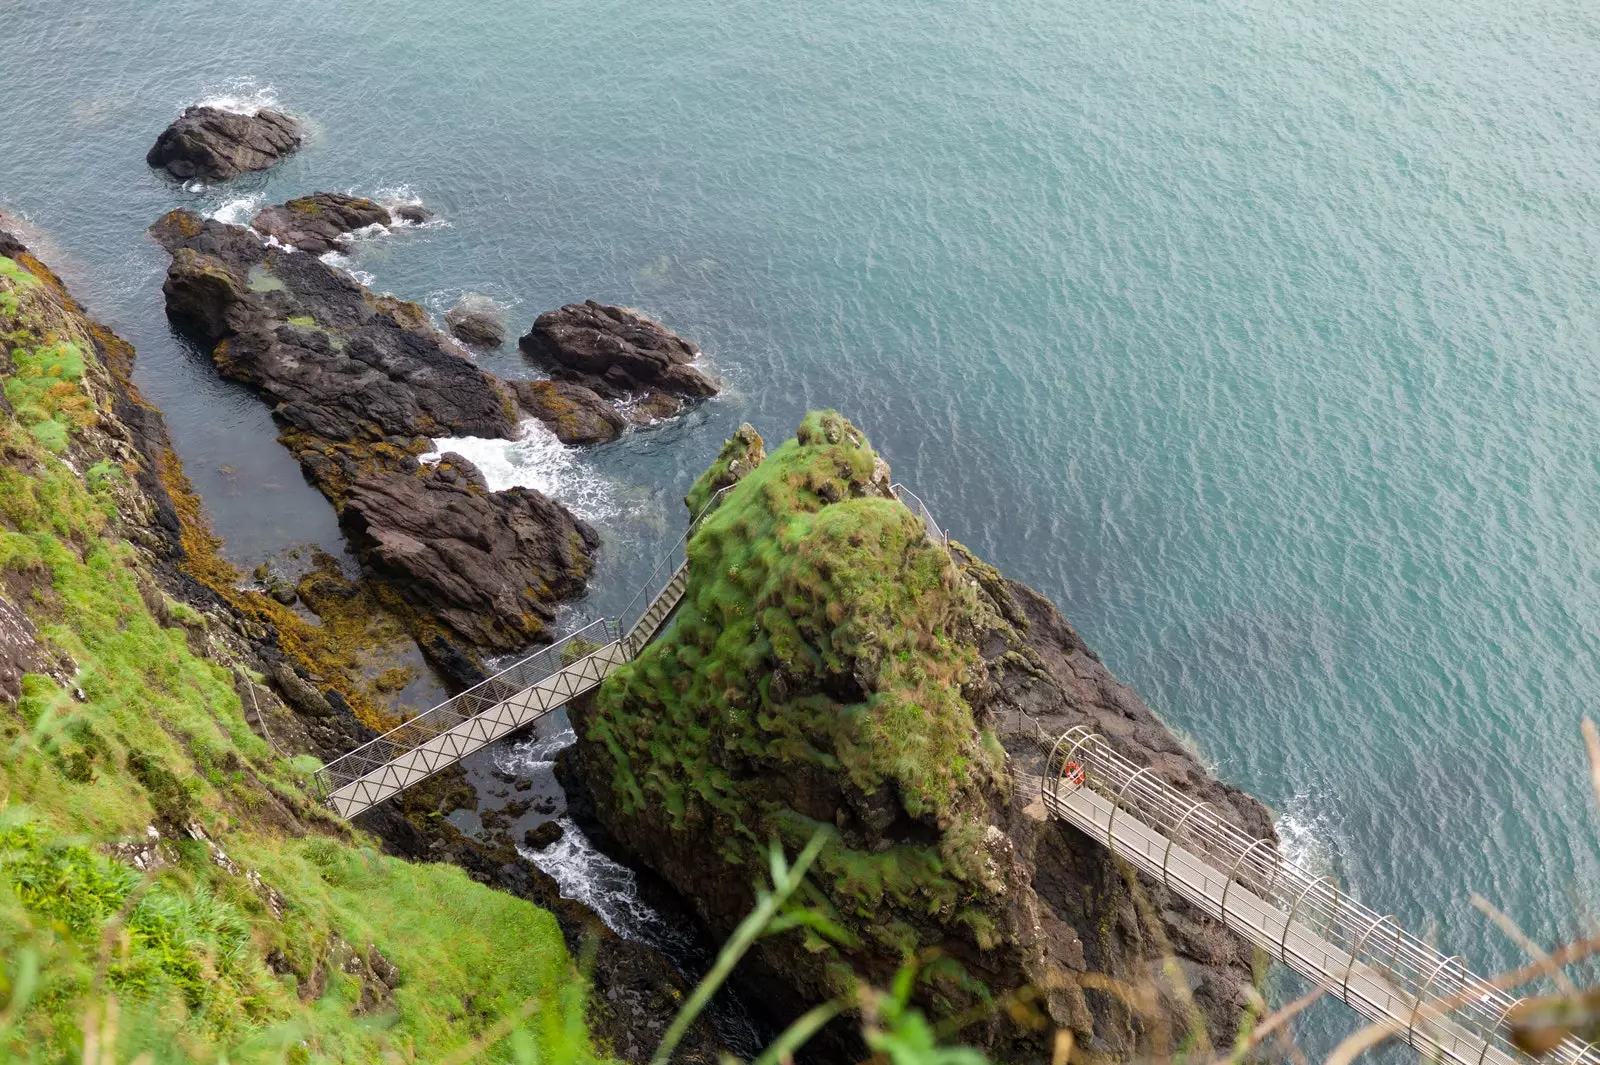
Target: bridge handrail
point(652, 585)
point(519, 676)
point(1419, 972)
point(914, 503)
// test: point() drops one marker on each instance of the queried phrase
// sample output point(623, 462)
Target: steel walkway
point(1431, 1001)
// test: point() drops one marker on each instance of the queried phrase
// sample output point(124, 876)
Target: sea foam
point(537, 460)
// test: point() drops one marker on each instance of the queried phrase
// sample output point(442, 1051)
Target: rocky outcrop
point(20, 651)
point(574, 413)
point(321, 222)
point(214, 145)
point(361, 385)
point(833, 669)
point(487, 564)
point(477, 321)
point(618, 354)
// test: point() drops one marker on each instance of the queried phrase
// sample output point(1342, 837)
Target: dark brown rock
point(321, 222)
point(478, 322)
point(616, 352)
point(214, 145)
point(574, 413)
point(487, 564)
point(361, 385)
point(544, 836)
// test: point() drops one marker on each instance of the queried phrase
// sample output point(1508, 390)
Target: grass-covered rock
point(833, 668)
point(167, 882)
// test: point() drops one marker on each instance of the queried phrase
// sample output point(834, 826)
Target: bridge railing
point(517, 677)
point(667, 565)
point(914, 503)
point(1426, 982)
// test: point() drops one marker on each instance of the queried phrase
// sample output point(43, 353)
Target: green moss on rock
point(814, 677)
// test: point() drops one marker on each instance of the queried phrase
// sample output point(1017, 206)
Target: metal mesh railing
point(515, 678)
point(669, 562)
point(914, 503)
point(1434, 1002)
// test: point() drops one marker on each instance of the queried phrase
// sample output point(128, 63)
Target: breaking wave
point(535, 460)
point(242, 96)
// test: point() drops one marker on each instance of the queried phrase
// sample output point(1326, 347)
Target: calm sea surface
point(1259, 334)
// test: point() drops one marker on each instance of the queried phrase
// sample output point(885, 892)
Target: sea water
point(1261, 335)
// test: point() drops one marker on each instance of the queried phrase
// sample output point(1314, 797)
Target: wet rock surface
point(361, 384)
point(214, 145)
point(321, 222)
point(477, 321)
point(618, 354)
point(574, 413)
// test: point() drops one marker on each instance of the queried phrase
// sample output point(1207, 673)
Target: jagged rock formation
point(321, 222)
point(619, 355)
point(832, 669)
point(214, 145)
point(468, 556)
point(361, 384)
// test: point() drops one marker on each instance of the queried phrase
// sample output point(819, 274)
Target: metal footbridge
point(1432, 1001)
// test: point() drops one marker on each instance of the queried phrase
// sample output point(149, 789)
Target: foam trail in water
point(238, 211)
point(1304, 836)
point(533, 754)
point(535, 460)
point(606, 887)
point(243, 96)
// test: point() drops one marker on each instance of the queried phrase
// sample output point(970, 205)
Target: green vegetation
point(261, 929)
point(821, 630)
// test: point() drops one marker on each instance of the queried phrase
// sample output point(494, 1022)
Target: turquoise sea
point(1261, 335)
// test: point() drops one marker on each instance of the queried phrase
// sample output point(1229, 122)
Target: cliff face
point(833, 668)
point(144, 823)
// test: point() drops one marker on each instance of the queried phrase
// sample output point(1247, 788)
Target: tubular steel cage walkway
point(521, 693)
point(1435, 1003)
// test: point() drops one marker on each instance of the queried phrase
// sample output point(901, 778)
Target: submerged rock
point(833, 669)
point(321, 222)
point(361, 384)
point(574, 413)
point(617, 353)
point(477, 321)
point(214, 145)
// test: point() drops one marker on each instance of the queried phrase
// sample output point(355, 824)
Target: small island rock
point(477, 321)
point(615, 352)
point(546, 835)
point(214, 145)
point(321, 222)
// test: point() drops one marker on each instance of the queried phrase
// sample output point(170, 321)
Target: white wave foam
point(238, 211)
point(242, 96)
point(341, 261)
point(535, 460)
point(609, 889)
point(1305, 835)
point(533, 754)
